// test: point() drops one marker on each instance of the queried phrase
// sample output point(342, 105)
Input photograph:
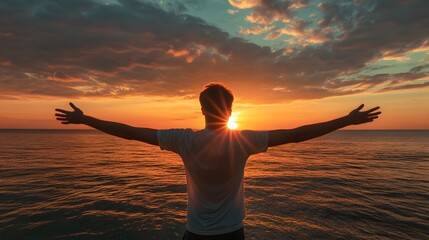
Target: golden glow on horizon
point(232, 122)
point(406, 109)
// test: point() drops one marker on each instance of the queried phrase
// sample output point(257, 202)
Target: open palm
point(357, 117)
point(68, 117)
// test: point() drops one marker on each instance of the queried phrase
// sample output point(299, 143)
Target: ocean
point(84, 184)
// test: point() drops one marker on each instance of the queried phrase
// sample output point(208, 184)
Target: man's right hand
point(70, 117)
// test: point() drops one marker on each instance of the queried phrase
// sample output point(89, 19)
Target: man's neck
point(216, 126)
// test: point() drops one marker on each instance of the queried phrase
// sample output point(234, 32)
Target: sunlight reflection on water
point(87, 185)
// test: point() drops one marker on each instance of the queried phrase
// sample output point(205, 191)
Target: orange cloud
point(242, 4)
point(257, 30)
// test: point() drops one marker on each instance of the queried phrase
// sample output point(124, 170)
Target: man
point(215, 157)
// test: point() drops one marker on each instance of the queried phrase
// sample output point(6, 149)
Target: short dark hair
point(216, 99)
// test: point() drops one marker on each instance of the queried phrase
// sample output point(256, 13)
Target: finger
point(60, 115)
point(374, 114)
point(62, 119)
point(372, 109)
point(360, 107)
point(61, 110)
point(65, 123)
point(73, 106)
point(375, 117)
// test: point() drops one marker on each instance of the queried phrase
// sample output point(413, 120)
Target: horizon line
point(91, 129)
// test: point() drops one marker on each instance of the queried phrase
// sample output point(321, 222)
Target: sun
point(232, 124)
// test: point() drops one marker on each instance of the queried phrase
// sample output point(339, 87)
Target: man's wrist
point(84, 119)
point(347, 120)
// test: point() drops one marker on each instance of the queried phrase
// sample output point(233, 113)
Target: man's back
point(214, 162)
point(215, 157)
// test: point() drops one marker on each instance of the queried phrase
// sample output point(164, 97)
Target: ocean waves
point(87, 185)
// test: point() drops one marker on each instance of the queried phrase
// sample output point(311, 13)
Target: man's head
point(216, 102)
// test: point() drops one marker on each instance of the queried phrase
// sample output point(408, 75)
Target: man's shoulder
point(176, 131)
point(208, 132)
point(251, 132)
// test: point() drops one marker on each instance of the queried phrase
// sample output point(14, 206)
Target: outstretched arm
point(146, 135)
point(278, 137)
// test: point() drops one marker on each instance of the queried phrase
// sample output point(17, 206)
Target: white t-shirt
point(214, 162)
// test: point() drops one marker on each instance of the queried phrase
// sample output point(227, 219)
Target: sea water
point(83, 184)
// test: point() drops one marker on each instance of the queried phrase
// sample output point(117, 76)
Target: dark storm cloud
point(84, 48)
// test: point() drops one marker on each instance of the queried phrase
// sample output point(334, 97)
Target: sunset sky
point(289, 62)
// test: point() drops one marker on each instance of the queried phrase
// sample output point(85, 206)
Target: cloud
point(266, 12)
point(83, 48)
point(255, 30)
point(242, 4)
point(406, 87)
point(232, 11)
point(298, 30)
point(384, 80)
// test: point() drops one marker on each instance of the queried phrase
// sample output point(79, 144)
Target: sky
point(288, 62)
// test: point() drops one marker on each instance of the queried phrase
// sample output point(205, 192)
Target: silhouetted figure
point(215, 157)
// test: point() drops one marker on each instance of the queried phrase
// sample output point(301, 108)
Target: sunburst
point(232, 122)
